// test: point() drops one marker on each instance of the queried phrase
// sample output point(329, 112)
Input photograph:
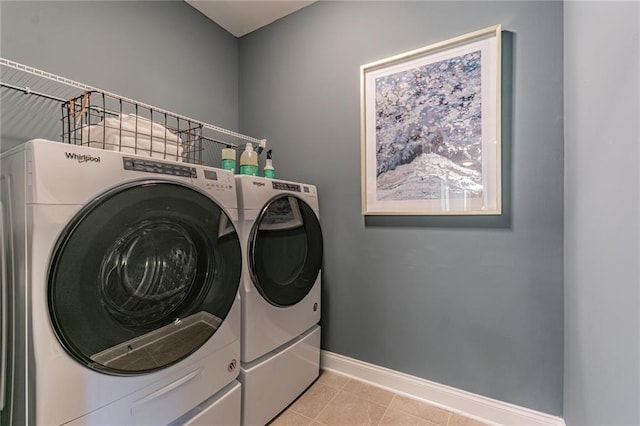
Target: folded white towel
point(155, 148)
point(143, 147)
point(129, 125)
point(136, 124)
point(134, 135)
point(143, 153)
point(93, 134)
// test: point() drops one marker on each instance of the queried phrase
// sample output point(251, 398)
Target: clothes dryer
point(282, 246)
point(123, 274)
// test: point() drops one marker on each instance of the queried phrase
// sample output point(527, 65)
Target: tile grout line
point(388, 406)
point(338, 390)
point(315, 383)
point(326, 405)
point(426, 404)
point(344, 385)
point(306, 417)
point(386, 409)
point(341, 389)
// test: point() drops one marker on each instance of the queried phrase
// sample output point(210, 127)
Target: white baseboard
point(452, 399)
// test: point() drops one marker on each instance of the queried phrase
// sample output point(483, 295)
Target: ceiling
point(241, 17)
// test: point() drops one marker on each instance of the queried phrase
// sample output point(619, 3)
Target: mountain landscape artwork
point(429, 130)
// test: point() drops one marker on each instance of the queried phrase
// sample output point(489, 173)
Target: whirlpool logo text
point(82, 158)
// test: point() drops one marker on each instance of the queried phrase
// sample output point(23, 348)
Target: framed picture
point(430, 124)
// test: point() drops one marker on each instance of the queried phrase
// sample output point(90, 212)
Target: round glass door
point(142, 277)
point(285, 253)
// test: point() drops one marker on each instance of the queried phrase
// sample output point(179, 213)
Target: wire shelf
point(39, 112)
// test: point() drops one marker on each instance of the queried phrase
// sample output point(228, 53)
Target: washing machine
point(281, 240)
point(121, 289)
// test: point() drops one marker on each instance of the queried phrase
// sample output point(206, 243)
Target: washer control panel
point(150, 166)
point(218, 179)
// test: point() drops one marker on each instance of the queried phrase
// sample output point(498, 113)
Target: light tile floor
point(337, 400)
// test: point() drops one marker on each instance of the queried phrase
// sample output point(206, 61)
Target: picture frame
point(431, 129)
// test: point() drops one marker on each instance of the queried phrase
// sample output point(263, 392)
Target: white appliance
point(282, 245)
point(122, 285)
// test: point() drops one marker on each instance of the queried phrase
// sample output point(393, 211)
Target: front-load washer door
point(142, 277)
point(285, 250)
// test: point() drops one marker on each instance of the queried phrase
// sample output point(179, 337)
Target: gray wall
point(474, 303)
point(602, 207)
point(165, 53)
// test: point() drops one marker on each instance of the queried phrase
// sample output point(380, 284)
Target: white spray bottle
point(269, 171)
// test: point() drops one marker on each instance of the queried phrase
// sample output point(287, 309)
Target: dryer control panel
point(150, 166)
point(293, 187)
point(286, 186)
